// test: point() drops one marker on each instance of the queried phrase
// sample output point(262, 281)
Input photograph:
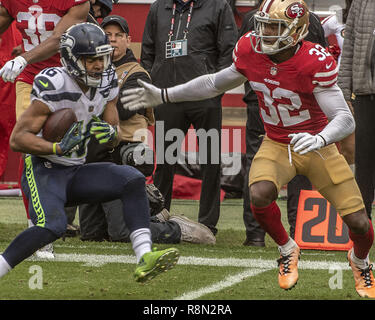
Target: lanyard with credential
point(187, 22)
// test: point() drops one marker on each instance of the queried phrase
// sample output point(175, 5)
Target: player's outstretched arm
point(200, 88)
point(48, 47)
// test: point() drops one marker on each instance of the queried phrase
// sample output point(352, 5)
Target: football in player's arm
point(25, 136)
point(301, 106)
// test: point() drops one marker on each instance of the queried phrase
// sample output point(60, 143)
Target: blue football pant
point(50, 187)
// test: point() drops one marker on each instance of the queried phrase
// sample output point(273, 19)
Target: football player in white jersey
point(55, 175)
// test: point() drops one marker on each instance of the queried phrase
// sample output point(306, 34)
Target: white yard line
point(253, 267)
point(101, 259)
point(227, 282)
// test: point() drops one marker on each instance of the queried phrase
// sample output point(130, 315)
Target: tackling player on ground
point(55, 175)
point(304, 113)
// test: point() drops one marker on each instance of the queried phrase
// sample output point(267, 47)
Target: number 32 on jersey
point(278, 111)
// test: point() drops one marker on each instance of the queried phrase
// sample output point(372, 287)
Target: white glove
point(148, 96)
point(13, 68)
point(305, 142)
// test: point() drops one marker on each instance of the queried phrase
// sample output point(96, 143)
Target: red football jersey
point(285, 90)
point(36, 20)
point(9, 39)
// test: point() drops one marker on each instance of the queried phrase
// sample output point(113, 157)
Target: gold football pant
point(326, 168)
point(23, 91)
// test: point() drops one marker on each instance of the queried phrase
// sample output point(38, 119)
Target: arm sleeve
point(341, 122)
point(207, 86)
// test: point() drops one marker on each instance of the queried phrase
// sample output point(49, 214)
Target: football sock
point(4, 266)
point(26, 243)
point(362, 242)
point(360, 263)
point(141, 242)
point(269, 219)
point(287, 248)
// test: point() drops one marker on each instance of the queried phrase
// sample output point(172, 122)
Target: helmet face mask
point(280, 25)
point(80, 42)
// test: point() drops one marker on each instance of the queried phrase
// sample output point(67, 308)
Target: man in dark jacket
point(183, 40)
point(254, 135)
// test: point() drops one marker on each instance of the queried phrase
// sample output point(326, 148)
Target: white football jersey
point(57, 89)
point(332, 26)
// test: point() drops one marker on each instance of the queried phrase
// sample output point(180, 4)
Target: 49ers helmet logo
point(295, 10)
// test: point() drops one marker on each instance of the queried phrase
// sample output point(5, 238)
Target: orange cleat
point(288, 269)
point(364, 279)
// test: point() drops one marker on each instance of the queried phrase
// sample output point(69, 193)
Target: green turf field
point(225, 271)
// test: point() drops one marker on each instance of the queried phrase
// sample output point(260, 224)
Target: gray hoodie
point(357, 69)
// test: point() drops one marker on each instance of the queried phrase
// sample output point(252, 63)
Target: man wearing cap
point(100, 221)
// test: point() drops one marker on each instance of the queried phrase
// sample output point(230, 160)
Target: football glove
point(71, 140)
point(305, 142)
point(103, 131)
point(11, 70)
point(148, 96)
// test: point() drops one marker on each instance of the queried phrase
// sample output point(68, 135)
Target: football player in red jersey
point(41, 23)
point(304, 113)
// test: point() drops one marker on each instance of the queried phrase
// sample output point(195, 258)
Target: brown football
point(57, 124)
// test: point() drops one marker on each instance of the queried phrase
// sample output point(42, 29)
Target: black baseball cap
point(116, 19)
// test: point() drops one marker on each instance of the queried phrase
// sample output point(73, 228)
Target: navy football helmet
point(86, 40)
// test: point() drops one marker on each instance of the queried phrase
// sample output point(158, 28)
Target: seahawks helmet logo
point(67, 41)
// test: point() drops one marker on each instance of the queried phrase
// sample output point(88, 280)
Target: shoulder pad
point(49, 79)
